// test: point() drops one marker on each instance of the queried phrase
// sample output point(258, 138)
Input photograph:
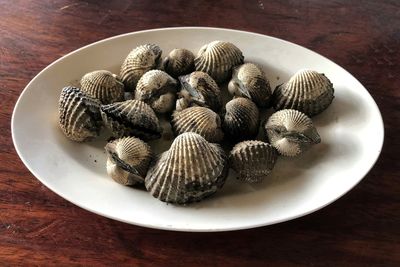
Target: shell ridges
point(291, 132)
point(253, 160)
point(307, 91)
point(79, 115)
point(217, 59)
point(131, 118)
point(189, 171)
point(128, 160)
point(103, 85)
point(199, 120)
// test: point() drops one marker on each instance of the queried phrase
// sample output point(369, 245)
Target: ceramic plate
point(351, 130)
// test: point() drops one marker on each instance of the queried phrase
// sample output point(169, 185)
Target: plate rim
point(188, 229)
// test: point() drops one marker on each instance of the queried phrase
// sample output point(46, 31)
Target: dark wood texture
point(37, 227)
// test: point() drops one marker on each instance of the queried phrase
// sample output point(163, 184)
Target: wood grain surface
point(39, 228)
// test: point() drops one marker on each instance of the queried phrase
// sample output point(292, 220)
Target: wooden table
point(37, 227)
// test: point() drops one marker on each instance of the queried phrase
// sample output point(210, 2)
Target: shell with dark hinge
point(131, 118)
point(217, 59)
point(79, 115)
point(199, 120)
point(249, 80)
point(307, 91)
point(128, 160)
point(252, 160)
point(157, 89)
point(189, 171)
point(140, 60)
point(291, 132)
point(199, 89)
point(103, 85)
point(241, 120)
point(179, 62)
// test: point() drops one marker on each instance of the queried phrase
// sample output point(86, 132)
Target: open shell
point(128, 160)
point(307, 91)
point(131, 118)
point(241, 120)
point(79, 115)
point(291, 132)
point(199, 120)
point(179, 62)
point(189, 171)
point(217, 59)
point(157, 89)
point(140, 60)
point(248, 80)
point(103, 85)
point(199, 89)
point(252, 160)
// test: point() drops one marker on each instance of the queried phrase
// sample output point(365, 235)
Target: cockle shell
point(79, 115)
point(248, 80)
point(217, 59)
point(253, 160)
point(241, 120)
point(199, 89)
point(103, 85)
point(291, 132)
point(179, 62)
point(128, 160)
point(140, 60)
point(307, 91)
point(189, 171)
point(157, 89)
point(131, 118)
point(199, 120)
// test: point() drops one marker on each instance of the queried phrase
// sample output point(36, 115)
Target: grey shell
point(249, 80)
point(291, 132)
point(128, 160)
point(217, 59)
point(140, 60)
point(307, 91)
point(157, 89)
point(179, 62)
point(252, 160)
point(131, 118)
point(199, 120)
point(103, 85)
point(189, 171)
point(199, 89)
point(79, 115)
point(241, 120)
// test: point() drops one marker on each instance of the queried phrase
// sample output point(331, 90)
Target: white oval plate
point(351, 130)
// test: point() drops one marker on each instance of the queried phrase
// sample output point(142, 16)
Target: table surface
point(37, 227)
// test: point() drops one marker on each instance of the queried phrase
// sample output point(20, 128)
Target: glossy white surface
point(351, 130)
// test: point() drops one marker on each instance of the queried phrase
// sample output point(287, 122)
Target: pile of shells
point(215, 103)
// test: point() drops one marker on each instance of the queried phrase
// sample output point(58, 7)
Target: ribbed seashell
point(179, 62)
point(140, 60)
point(241, 120)
point(307, 91)
point(79, 115)
point(252, 160)
point(249, 80)
point(103, 85)
point(128, 160)
point(189, 171)
point(157, 89)
point(131, 118)
point(291, 132)
point(199, 89)
point(199, 120)
point(217, 59)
